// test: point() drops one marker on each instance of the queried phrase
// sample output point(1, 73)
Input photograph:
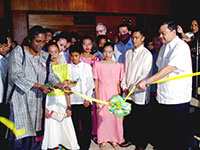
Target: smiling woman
point(28, 72)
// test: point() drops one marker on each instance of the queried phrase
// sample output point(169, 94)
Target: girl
point(63, 41)
point(100, 41)
point(86, 56)
point(58, 132)
point(108, 75)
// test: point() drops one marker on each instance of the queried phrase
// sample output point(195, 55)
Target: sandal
point(115, 145)
point(102, 145)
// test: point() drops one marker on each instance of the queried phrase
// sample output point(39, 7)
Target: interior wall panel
point(20, 26)
point(54, 13)
point(50, 19)
point(1, 9)
point(161, 7)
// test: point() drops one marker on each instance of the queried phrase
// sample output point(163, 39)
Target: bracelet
point(147, 83)
point(63, 87)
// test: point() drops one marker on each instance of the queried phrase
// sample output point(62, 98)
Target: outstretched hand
point(45, 89)
point(66, 90)
point(141, 85)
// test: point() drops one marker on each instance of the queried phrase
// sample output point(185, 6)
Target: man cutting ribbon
point(173, 97)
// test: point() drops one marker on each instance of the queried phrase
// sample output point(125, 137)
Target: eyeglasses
point(100, 31)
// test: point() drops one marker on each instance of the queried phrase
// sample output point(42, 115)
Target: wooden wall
point(66, 22)
point(1, 9)
point(20, 26)
point(24, 20)
point(60, 14)
point(161, 7)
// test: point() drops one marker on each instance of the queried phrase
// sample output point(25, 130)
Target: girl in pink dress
point(108, 74)
point(88, 58)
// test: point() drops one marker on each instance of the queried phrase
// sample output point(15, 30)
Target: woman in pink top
point(87, 45)
point(108, 74)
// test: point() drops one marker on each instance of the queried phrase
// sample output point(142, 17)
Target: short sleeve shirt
point(176, 53)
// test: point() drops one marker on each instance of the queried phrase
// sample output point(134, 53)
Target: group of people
point(45, 70)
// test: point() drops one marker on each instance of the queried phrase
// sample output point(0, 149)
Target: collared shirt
point(176, 53)
point(138, 66)
point(3, 75)
point(85, 85)
point(121, 49)
point(3, 67)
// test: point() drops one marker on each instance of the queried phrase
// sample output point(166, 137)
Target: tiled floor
point(94, 146)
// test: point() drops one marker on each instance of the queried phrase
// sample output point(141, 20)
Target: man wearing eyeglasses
point(101, 29)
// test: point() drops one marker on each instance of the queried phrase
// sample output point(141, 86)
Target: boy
point(81, 108)
point(4, 49)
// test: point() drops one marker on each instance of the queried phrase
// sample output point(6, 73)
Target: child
point(86, 56)
point(64, 42)
point(100, 41)
point(108, 74)
point(58, 133)
point(81, 108)
point(4, 49)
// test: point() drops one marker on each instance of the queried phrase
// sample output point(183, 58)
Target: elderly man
point(173, 97)
point(101, 29)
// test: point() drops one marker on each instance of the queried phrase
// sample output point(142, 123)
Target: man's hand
point(66, 90)
point(142, 85)
point(126, 91)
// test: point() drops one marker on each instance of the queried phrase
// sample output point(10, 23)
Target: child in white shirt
point(81, 108)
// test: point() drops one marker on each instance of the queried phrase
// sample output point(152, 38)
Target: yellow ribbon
point(90, 98)
point(11, 126)
point(165, 80)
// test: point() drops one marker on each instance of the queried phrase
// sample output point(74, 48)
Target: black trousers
point(82, 121)
point(3, 128)
point(136, 125)
point(172, 126)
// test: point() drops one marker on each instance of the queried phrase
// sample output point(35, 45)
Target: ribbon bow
point(118, 107)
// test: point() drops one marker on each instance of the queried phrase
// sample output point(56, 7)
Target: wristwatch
point(63, 87)
point(147, 83)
